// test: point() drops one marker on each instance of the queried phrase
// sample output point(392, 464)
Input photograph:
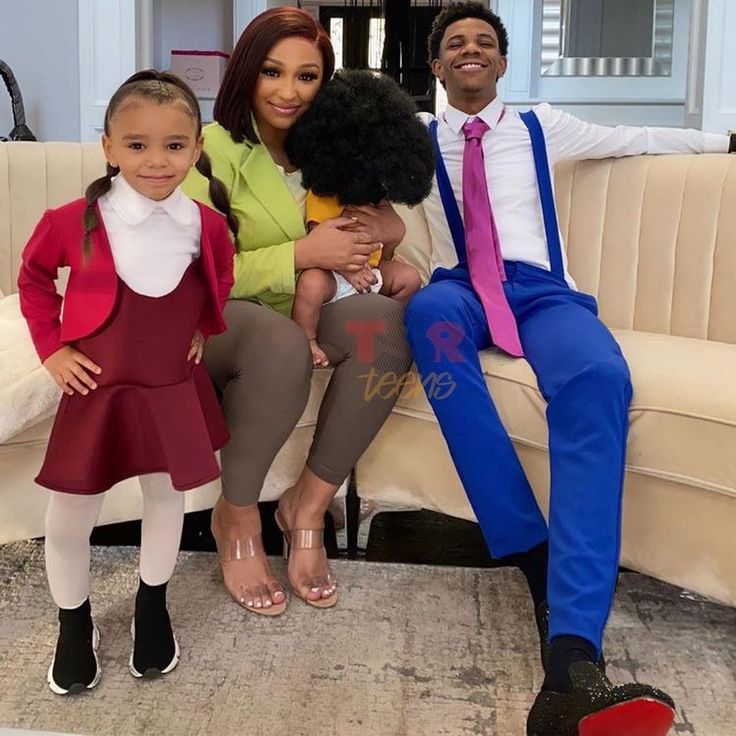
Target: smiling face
point(153, 144)
point(290, 78)
point(469, 64)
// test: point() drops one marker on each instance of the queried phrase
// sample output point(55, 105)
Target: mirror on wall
point(607, 38)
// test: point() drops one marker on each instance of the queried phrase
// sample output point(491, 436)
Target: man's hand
point(69, 368)
point(196, 349)
point(381, 224)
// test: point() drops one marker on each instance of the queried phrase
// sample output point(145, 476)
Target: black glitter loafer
point(595, 707)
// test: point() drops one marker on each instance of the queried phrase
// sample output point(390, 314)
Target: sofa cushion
point(682, 417)
point(28, 394)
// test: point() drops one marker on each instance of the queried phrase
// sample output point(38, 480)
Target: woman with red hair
point(262, 364)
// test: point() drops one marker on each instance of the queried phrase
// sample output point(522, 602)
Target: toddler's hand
point(197, 347)
point(68, 367)
point(362, 280)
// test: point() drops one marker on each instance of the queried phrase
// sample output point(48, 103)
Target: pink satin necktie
point(482, 245)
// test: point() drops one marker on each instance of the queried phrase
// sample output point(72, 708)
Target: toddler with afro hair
point(359, 143)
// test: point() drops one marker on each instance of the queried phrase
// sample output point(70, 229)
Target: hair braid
point(93, 192)
point(218, 193)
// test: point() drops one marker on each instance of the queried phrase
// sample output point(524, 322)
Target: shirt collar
point(490, 115)
point(134, 208)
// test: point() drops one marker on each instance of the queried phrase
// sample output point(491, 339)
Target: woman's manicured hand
point(331, 246)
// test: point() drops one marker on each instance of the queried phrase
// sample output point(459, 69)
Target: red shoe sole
point(640, 717)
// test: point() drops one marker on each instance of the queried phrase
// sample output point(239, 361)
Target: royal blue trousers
point(584, 378)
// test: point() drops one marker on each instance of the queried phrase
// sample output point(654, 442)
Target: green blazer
point(270, 219)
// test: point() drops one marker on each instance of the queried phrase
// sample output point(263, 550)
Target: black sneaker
point(75, 667)
point(595, 707)
point(155, 648)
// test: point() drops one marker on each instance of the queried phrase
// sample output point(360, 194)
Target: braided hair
point(161, 88)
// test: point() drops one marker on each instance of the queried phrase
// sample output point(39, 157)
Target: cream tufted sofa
point(34, 177)
point(654, 238)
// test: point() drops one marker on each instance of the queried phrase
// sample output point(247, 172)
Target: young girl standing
point(150, 271)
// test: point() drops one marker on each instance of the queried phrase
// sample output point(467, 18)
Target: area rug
point(408, 651)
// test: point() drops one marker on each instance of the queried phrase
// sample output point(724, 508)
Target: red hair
point(234, 100)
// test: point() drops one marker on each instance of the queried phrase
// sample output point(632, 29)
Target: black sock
point(81, 615)
point(533, 563)
point(150, 596)
point(563, 651)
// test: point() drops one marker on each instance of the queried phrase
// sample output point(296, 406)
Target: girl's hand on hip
point(196, 349)
point(331, 247)
point(69, 368)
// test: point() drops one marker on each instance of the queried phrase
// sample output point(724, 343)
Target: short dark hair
point(234, 100)
point(457, 11)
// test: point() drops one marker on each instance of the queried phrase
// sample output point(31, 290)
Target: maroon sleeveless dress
point(153, 411)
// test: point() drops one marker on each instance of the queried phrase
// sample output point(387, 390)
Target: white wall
point(719, 97)
point(245, 10)
point(39, 40)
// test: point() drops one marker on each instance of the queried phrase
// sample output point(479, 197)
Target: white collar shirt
point(152, 242)
point(511, 176)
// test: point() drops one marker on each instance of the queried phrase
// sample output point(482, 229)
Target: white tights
point(70, 519)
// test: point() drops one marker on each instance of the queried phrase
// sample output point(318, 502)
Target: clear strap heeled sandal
point(296, 539)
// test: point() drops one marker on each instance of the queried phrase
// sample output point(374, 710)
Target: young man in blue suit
point(499, 278)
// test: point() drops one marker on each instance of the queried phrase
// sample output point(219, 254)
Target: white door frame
point(107, 56)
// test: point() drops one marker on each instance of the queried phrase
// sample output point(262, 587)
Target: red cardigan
point(92, 287)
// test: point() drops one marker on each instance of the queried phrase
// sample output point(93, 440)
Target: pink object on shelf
point(201, 70)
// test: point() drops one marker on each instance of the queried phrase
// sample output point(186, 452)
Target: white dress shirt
point(511, 176)
point(152, 242)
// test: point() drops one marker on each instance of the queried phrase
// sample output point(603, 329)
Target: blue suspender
point(452, 211)
point(541, 164)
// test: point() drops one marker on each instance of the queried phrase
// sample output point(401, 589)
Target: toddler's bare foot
point(319, 356)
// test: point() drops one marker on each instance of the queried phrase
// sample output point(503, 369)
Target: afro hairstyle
point(361, 141)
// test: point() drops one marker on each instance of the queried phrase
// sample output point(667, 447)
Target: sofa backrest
point(652, 237)
point(33, 178)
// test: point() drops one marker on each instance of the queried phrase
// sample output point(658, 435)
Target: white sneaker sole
point(152, 672)
point(79, 687)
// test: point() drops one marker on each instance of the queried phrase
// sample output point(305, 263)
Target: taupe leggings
point(263, 366)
